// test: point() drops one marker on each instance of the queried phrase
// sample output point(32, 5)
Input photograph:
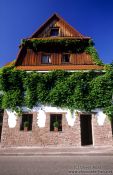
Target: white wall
point(100, 118)
point(41, 115)
point(12, 118)
point(42, 110)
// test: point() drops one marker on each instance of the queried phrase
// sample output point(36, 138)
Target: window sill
point(55, 131)
point(25, 131)
point(46, 63)
point(65, 63)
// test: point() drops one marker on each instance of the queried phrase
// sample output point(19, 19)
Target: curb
point(47, 151)
point(58, 154)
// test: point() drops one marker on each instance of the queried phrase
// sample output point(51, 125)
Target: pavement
point(56, 151)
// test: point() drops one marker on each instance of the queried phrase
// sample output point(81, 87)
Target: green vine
point(55, 44)
point(72, 90)
point(92, 51)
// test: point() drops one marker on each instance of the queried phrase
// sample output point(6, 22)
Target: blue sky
point(20, 18)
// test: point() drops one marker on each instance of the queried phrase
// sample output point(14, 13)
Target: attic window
point(46, 59)
point(54, 32)
point(66, 58)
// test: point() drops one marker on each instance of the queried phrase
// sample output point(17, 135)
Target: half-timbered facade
point(56, 46)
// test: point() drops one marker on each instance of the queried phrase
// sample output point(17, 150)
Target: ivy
point(55, 44)
point(12, 99)
point(12, 87)
point(72, 90)
point(109, 112)
point(11, 79)
point(101, 91)
point(92, 51)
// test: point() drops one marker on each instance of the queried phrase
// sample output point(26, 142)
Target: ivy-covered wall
point(73, 90)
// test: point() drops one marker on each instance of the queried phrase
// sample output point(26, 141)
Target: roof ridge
point(60, 18)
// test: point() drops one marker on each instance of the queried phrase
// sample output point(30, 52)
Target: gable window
point(56, 122)
point(26, 122)
point(66, 58)
point(46, 59)
point(54, 31)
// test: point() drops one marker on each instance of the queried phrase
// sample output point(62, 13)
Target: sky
point(20, 18)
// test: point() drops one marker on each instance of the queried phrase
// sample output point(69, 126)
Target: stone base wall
point(69, 136)
point(102, 135)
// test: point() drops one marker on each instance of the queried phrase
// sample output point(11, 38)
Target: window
point(66, 58)
point(26, 121)
point(46, 59)
point(56, 118)
point(54, 32)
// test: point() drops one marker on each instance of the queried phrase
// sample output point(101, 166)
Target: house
point(56, 46)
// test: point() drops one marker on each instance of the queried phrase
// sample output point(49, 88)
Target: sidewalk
point(56, 151)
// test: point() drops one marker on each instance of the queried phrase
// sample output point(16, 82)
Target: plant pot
point(55, 129)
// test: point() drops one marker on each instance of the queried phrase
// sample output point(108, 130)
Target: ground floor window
point(56, 122)
point(26, 122)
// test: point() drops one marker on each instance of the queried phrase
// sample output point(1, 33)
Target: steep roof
point(56, 17)
point(43, 33)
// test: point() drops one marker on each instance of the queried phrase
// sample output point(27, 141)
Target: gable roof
point(58, 18)
point(54, 20)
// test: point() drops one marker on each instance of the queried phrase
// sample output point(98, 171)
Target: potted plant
point(56, 125)
point(26, 125)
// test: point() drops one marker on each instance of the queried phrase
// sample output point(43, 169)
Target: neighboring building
point(49, 48)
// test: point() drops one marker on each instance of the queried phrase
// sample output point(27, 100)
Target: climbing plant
point(72, 90)
point(12, 87)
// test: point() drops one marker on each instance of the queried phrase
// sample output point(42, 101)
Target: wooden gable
point(56, 22)
point(31, 61)
point(28, 59)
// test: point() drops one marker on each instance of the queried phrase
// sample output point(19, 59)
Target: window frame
point(26, 117)
point(48, 56)
point(53, 118)
point(63, 60)
point(53, 31)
